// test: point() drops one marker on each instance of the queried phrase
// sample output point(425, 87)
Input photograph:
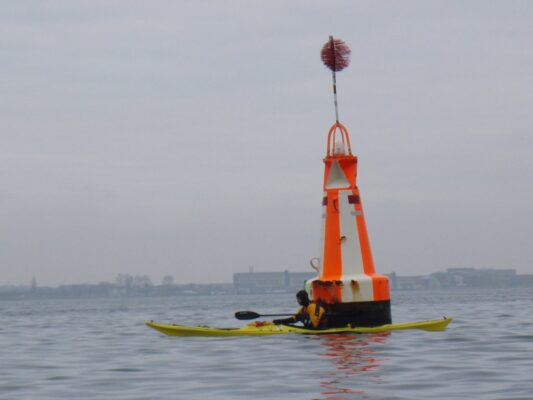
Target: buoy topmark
point(346, 278)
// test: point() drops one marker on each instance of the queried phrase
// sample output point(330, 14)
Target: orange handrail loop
point(332, 135)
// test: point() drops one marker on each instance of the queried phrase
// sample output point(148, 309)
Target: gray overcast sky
point(186, 138)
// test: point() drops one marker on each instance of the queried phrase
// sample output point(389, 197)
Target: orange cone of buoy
point(347, 281)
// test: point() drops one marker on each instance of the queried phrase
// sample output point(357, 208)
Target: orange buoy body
point(347, 282)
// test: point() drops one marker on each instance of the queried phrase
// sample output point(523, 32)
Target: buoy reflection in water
point(350, 355)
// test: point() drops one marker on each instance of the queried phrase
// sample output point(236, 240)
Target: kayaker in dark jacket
point(311, 314)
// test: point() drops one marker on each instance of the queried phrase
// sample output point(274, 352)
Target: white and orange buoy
point(347, 281)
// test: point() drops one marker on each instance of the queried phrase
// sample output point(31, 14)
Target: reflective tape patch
point(353, 199)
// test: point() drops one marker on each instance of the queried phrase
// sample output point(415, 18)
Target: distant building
point(525, 280)
point(267, 282)
point(297, 279)
point(414, 282)
point(473, 277)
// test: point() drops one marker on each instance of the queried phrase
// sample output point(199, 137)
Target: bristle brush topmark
point(336, 56)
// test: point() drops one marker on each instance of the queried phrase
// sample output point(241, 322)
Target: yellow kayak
point(268, 328)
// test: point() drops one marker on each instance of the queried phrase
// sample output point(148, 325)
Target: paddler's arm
point(290, 320)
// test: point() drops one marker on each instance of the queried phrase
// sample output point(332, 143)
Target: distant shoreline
point(261, 282)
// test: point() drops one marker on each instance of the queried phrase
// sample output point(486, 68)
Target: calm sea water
point(100, 349)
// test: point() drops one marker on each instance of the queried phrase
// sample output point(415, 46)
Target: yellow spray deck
point(268, 328)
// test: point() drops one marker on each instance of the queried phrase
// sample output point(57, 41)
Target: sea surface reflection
point(349, 356)
point(99, 349)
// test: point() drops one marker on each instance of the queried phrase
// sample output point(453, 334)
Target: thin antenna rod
point(334, 79)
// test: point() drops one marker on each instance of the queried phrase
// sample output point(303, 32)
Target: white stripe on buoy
point(336, 178)
point(352, 260)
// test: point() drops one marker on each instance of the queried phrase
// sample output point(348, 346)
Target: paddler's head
point(302, 298)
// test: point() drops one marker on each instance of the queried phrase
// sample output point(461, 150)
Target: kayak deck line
point(268, 328)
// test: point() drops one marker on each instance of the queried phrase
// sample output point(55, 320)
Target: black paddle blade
point(243, 315)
